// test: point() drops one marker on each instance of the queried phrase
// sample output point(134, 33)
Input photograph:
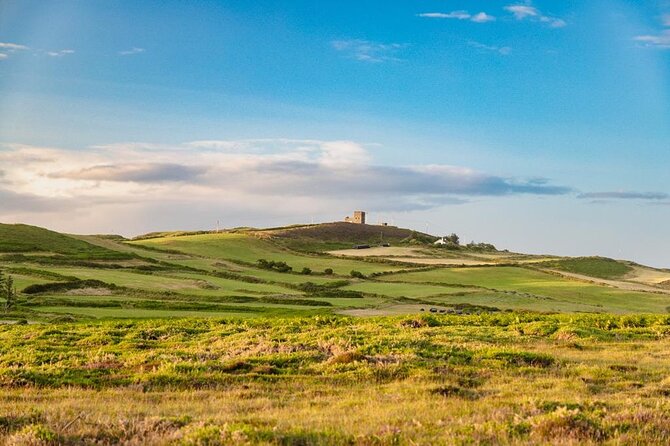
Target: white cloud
point(661, 40)
point(522, 11)
point(529, 12)
point(553, 22)
point(8, 48)
point(480, 17)
point(459, 15)
point(12, 46)
point(59, 53)
point(368, 51)
point(504, 50)
point(130, 52)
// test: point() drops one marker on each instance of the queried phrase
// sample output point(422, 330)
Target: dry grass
point(487, 379)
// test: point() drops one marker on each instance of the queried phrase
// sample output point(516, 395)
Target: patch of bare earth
point(648, 276)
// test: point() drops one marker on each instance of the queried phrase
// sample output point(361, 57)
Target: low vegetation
point(496, 378)
point(599, 267)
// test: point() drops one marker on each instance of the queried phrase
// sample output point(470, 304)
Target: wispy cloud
point(522, 11)
point(459, 15)
point(528, 12)
point(504, 50)
point(130, 52)
point(6, 46)
point(660, 40)
point(480, 17)
point(624, 195)
point(60, 53)
point(368, 51)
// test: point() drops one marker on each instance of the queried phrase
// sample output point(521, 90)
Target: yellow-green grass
point(187, 283)
point(23, 280)
point(515, 301)
point(600, 267)
point(542, 286)
point(491, 379)
point(241, 247)
point(21, 238)
point(135, 313)
point(411, 290)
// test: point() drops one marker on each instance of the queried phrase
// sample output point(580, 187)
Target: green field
point(186, 339)
point(187, 274)
point(542, 286)
point(249, 249)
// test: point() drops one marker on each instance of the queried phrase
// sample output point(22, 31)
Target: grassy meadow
point(431, 379)
point(186, 338)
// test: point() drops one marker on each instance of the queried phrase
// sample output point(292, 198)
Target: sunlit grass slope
point(31, 239)
point(249, 249)
point(489, 379)
point(541, 285)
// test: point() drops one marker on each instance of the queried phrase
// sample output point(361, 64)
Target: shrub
point(306, 271)
point(56, 287)
point(520, 359)
point(455, 391)
point(357, 274)
point(281, 267)
point(328, 271)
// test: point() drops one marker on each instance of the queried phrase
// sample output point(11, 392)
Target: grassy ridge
point(504, 378)
point(27, 239)
point(600, 267)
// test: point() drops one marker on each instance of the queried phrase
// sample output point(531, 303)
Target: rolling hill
point(292, 270)
point(21, 238)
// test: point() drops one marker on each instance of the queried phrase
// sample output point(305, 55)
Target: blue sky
point(539, 126)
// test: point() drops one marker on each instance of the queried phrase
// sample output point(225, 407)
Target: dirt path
point(647, 275)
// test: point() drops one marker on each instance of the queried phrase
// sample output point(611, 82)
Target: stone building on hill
point(358, 218)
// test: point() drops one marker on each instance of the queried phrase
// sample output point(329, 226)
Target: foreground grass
point(504, 378)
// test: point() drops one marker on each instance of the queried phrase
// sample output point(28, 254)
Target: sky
point(538, 126)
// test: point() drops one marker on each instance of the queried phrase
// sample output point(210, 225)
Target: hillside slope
point(20, 238)
point(326, 236)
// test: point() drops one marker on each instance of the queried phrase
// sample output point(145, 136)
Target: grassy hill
point(337, 235)
point(31, 239)
point(600, 267)
point(236, 273)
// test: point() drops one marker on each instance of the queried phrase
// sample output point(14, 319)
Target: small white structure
point(440, 241)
